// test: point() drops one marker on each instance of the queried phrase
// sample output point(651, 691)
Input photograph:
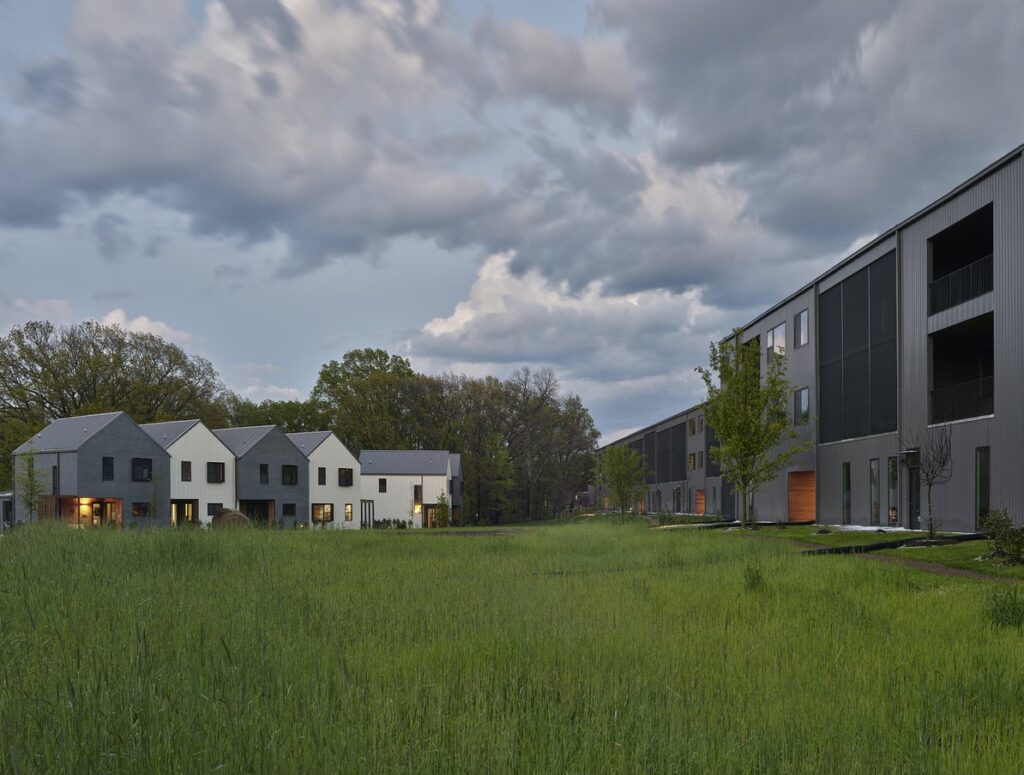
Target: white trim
point(858, 438)
point(961, 422)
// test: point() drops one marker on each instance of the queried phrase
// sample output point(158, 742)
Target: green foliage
point(748, 414)
point(622, 474)
point(753, 578)
point(442, 514)
point(1005, 540)
point(1005, 607)
point(29, 482)
point(261, 651)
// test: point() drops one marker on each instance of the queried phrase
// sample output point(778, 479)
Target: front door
point(366, 515)
point(914, 497)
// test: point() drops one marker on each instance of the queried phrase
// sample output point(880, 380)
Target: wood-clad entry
point(700, 502)
point(801, 496)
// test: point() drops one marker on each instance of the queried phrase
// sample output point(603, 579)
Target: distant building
point(406, 485)
point(334, 480)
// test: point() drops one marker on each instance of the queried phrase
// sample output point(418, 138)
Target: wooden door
point(700, 502)
point(801, 496)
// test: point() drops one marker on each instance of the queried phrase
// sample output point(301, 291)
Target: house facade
point(271, 475)
point(202, 471)
point(914, 335)
point(334, 481)
point(406, 485)
point(99, 469)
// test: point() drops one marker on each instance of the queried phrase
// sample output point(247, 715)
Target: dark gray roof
point(404, 462)
point(68, 433)
point(241, 440)
point(456, 464)
point(166, 433)
point(309, 441)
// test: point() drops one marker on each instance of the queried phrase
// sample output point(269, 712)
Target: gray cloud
point(113, 240)
point(51, 86)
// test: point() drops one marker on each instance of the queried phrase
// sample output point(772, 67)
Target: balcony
point(961, 285)
point(959, 402)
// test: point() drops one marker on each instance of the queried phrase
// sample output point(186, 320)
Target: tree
point(621, 471)
point(442, 513)
point(935, 464)
point(29, 483)
point(748, 414)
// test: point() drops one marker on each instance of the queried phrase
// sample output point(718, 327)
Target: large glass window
point(801, 405)
point(876, 494)
point(142, 469)
point(323, 512)
point(846, 494)
point(776, 341)
point(801, 334)
point(894, 492)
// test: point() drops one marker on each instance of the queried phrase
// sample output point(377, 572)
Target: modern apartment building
point(916, 333)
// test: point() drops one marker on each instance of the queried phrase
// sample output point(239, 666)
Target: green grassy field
point(584, 648)
point(969, 555)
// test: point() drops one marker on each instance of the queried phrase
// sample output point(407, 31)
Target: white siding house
point(406, 485)
point(202, 470)
point(334, 481)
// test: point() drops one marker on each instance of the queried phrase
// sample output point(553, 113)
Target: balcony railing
point(957, 287)
point(958, 402)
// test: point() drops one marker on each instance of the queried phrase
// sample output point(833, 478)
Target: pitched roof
point(166, 433)
point(68, 433)
point(402, 462)
point(241, 440)
point(309, 441)
point(456, 464)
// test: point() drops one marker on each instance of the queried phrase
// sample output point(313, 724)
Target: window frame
point(321, 476)
point(264, 473)
point(106, 461)
point(802, 409)
point(289, 471)
point(345, 477)
point(348, 512)
point(212, 466)
point(289, 510)
point(801, 328)
point(326, 513)
point(142, 469)
point(382, 484)
point(213, 508)
point(186, 470)
point(138, 507)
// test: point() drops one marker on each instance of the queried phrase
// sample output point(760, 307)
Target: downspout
point(899, 378)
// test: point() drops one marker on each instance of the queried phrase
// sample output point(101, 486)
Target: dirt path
point(941, 570)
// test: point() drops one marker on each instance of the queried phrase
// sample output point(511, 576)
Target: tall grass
point(584, 648)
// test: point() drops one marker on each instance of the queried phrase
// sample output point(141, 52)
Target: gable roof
point(456, 459)
point(309, 441)
point(68, 433)
point(241, 440)
point(166, 433)
point(404, 462)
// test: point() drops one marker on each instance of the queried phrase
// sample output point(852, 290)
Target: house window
point(215, 473)
point(382, 485)
point(321, 476)
point(875, 491)
point(323, 512)
point(289, 475)
point(186, 470)
point(417, 498)
point(894, 492)
point(140, 510)
point(450, 486)
point(801, 405)
point(700, 460)
point(348, 512)
point(801, 335)
point(264, 473)
point(142, 469)
point(846, 494)
point(344, 477)
point(776, 341)
point(700, 424)
point(108, 469)
point(692, 426)
point(213, 508)
point(287, 509)
point(692, 461)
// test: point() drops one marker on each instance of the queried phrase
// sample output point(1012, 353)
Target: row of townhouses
point(918, 330)
point(104, 469)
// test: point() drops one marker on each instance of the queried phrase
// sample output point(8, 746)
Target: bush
point(1005, 607)
point(1005, 540)
point(753, 579)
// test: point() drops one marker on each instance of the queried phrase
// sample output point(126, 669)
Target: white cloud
point(144, 325)
point(260, 391)
point(18, 310)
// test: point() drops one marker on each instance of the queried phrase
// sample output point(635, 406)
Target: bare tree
point(935, 463)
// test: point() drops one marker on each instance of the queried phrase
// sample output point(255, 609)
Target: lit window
point(348, 512)
point(323, 512)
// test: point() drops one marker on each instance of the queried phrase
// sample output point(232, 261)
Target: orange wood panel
point(801, 496)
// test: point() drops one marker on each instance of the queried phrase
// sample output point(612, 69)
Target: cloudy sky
point(598, 186)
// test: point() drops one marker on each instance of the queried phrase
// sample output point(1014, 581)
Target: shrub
point(1005, 607)
point(753, 579)
point(1005, 540)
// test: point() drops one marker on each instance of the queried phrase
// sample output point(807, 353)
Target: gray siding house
point(917, 333)
point(94, 470)
point(271, 475)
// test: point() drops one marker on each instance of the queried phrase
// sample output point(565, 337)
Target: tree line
point(527, 448)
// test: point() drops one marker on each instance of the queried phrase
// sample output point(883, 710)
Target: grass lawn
point(970, 555)
point(585, 648)
point(809, 534)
